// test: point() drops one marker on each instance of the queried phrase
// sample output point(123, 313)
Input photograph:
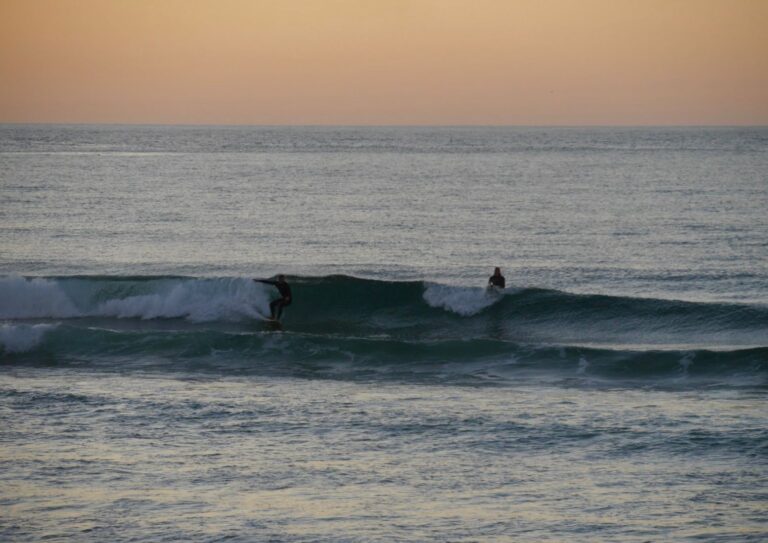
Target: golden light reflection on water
point(201, 457)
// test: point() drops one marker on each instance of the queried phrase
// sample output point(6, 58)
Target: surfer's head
point(497, 271)
point(281, 277)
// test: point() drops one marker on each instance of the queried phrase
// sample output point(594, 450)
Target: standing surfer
point(497, 280)
point(276, 306)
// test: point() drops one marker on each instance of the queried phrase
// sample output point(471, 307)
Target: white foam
point(465, 301)
point(22, 298)
point(685, 362)
point(19, 338)
point(199, 300)
point(583, 365)
point(195, 300)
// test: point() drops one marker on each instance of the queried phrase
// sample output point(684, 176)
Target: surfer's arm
point(267, 281)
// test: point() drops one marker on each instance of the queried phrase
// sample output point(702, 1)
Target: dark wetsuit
point(497, 281)
point(276, 306)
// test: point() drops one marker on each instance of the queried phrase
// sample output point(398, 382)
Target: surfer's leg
point(274, 306)
point(280, 304)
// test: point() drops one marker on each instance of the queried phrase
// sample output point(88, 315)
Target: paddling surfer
point(497, 280)
point(276, 306)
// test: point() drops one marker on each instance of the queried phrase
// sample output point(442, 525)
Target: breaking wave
point(341, 325)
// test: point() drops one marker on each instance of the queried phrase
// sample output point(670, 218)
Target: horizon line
point(398, 125)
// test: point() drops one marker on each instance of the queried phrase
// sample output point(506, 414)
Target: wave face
point(344, 326)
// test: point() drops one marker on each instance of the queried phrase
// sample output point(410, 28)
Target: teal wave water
point(344, 327)
point(476, 361)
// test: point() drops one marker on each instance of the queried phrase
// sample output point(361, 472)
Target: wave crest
point(197, 300)
point(34, 298)
point(21, 338)
point(465, 301)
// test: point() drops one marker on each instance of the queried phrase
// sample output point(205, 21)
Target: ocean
point(614, 391)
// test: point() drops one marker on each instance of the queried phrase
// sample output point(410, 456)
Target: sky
point(385, 62)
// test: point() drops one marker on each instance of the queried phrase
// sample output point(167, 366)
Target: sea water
point(615, 391)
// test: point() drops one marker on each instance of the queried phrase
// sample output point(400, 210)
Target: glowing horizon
point(393, 62)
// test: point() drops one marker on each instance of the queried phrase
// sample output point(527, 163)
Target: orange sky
point(528, 62)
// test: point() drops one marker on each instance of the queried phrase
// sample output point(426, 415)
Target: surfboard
point(273, 323)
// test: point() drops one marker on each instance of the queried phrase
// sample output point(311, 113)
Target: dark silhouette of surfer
point(497, 280)
point(276, 306)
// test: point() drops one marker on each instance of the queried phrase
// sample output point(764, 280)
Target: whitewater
point(614, 391)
